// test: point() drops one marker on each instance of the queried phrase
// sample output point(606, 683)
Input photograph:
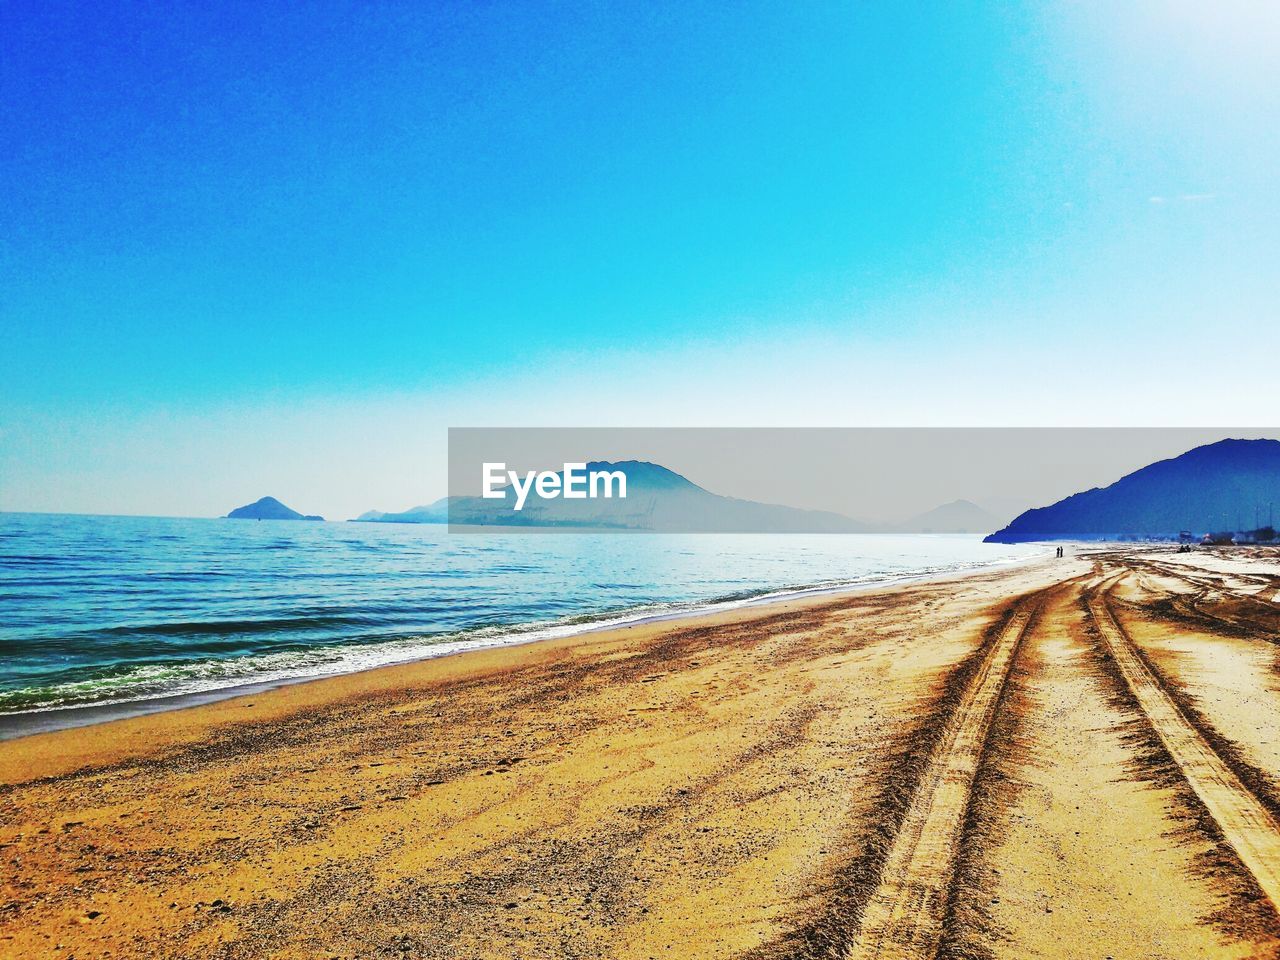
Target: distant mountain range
point(958, 516)
point(660, 499)
point(1231, 485)
point(1225, 486)
point(437, 512)
point(657, 499)
point(268, 508)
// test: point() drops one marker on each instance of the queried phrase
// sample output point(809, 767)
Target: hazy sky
point(278, 248)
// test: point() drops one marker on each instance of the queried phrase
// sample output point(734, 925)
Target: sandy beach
point(1074, 758)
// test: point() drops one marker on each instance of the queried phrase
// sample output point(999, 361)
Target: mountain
point(958, 516)
point(658, 499)
point(1211, 488)
point(1005, 509)
point(268, 508)
point(429, 513)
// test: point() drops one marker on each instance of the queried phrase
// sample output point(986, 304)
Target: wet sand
point(1073, 758)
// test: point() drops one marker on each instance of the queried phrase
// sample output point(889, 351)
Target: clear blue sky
point(278, 248)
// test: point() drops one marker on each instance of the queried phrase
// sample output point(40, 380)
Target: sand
point(954, 768)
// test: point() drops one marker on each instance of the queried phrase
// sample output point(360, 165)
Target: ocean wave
point(142, 681)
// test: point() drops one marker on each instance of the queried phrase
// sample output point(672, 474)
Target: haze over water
point(110, 610)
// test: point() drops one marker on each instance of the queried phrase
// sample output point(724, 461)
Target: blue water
point(110, 610)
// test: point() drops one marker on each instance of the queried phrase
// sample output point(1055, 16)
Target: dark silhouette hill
point(1226, 485)
point(268, 508)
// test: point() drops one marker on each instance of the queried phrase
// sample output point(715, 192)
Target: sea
point(112, 616)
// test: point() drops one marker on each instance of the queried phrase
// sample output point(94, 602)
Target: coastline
point(20, 724)
point(105, 735)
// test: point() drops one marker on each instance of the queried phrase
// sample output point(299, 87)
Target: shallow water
point(109, 610)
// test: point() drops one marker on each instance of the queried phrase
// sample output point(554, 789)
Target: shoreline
point(112, 738)
point(27, 723)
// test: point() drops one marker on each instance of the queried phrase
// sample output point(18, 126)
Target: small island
point(268, 508)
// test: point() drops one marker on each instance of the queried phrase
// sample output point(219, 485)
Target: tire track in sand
point(903, 919)
point(1244, 821)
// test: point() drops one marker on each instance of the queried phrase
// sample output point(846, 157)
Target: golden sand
point(953, 768)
